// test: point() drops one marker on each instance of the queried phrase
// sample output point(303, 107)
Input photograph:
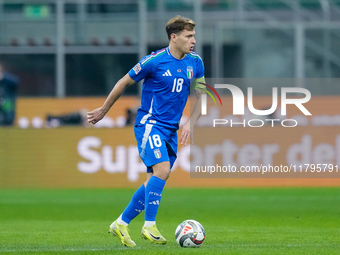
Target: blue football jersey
point(166, 86)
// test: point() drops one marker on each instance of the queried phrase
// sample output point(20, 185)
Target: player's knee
point(162, 170)
point(163, 174)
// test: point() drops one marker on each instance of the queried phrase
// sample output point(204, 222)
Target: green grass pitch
point(236, 221)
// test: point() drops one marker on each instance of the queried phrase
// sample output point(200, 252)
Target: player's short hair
point(177, 24)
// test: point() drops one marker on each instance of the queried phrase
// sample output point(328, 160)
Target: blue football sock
point(136, 205)
point(153, 194)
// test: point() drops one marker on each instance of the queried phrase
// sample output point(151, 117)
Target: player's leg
point(154, 189)
point(153, 195)
point(135, 207)
point(119, 227)
point(152, 146)
point(162, 171)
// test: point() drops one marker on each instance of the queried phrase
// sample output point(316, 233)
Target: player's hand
point(186, 132)
point(95, 116)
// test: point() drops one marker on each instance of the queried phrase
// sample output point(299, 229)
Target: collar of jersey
point(169, 53)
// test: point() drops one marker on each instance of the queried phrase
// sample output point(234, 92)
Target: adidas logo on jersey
point(167, 73)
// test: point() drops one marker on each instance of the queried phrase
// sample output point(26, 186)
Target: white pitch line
point(66, 249)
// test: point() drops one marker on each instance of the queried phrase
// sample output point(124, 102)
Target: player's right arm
point(99, 113)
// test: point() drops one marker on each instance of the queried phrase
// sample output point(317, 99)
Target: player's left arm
point(187, 129)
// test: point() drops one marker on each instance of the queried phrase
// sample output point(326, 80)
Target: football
point(190, 233)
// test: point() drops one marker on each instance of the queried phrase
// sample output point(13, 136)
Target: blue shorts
point(156, 144)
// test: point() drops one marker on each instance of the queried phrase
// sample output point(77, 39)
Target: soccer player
point(168, 74)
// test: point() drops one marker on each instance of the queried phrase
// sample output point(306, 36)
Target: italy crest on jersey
point(157, 153)
point(190, 72)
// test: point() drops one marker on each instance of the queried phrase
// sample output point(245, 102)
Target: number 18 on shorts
point(156, 144)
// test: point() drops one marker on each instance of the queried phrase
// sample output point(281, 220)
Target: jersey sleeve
point(141, 70)
point(200, 68)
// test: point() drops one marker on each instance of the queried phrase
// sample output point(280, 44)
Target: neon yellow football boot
point(122, 233)
point(152, 234)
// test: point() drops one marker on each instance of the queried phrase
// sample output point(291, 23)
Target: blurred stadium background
point(69, 53)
